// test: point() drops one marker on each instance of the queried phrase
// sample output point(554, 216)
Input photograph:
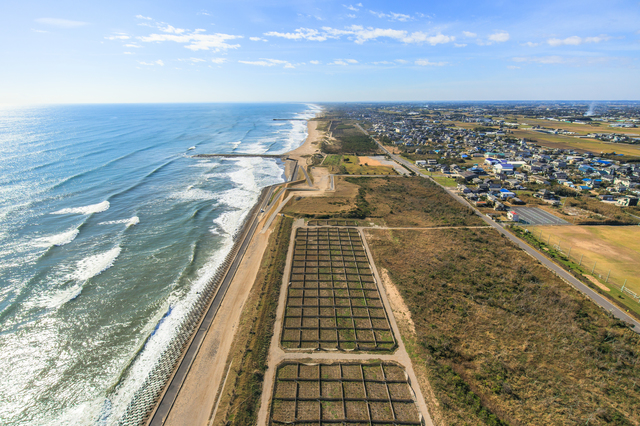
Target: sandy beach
point(198, 395)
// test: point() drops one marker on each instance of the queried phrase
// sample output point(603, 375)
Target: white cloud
point(301, 34)
point(392, 16)
point(204, 12)
point(133, 45)
point(351, 61)
point(402, 61)
point(576, 41)
point(460, 45)
point(353, 8)
point(128, 53)
point(197, 60)
point(118, 37)
point(158, 62)
point(469, 34)
point(541, 59)
point(263, 62)
point(349, 15)
point(196, 41)
point(39, 31)
point(219, 60)
point(170, 29)
point(499, 37)
point(314, 62)
point(61, 23)
point(513, 67)
point(360, 35)
point(530, 44)
point(144, 17)
point(338, 62)
point(427, 63)
point(257, 39)
point(383, 63)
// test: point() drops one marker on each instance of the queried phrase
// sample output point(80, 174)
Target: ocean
point(109, 228)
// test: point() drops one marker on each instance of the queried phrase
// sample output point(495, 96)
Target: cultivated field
point(351, 393)
point(615, 248)
point(500, 338)
point(333, 301)
point(570, 142)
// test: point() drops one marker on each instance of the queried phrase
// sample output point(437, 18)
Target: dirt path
point(598, 284)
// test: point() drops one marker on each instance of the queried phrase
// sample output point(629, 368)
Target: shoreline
point(198, 392)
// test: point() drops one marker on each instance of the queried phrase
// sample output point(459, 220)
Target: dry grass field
point(615, 248)
point(501, 339)
point(570, 142)
point(332, 204)
point(396, 202)
point(581, 129)
point(412, 201)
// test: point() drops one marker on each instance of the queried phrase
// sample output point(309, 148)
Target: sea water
point(109, 227)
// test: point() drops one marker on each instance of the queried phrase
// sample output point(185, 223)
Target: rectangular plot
point(332, 410)
point(381, 411)
point(342, 287)
point(309, 390)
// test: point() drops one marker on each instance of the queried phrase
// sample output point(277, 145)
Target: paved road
point(536, 216)
point(592, 294)
point(168, 398)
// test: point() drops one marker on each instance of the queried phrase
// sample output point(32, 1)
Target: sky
point(317, 51)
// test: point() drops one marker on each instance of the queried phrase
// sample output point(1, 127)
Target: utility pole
point(623, 285)
point(580, 260)
point(594, 267)
point(607, 280)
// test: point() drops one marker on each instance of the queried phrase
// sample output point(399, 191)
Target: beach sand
point(198, 395)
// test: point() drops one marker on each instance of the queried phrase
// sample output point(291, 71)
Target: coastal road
point(559, 271)
point(163, 408)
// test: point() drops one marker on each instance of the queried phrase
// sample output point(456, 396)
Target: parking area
point(536, 216)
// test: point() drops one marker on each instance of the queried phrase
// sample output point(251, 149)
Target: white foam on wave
point(93, 208)
point(85, 269)
point(60, 297)
point(129, 222)
point(194, 194)
point(298, 132)
point(57, 239)
point(236, 144)
point(96, 264)
point(204, 164)
point(166, 327)
point(241, 198)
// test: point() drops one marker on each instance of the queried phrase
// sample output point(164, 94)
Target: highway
point(559, 271)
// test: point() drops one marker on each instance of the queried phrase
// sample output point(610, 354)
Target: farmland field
point(615, 248)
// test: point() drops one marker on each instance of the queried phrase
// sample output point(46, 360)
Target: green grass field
point(353, 167)
point(445, 180)
point(332, 160)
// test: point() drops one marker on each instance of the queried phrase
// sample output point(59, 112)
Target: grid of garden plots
point(333, 301)
point(343, 393)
